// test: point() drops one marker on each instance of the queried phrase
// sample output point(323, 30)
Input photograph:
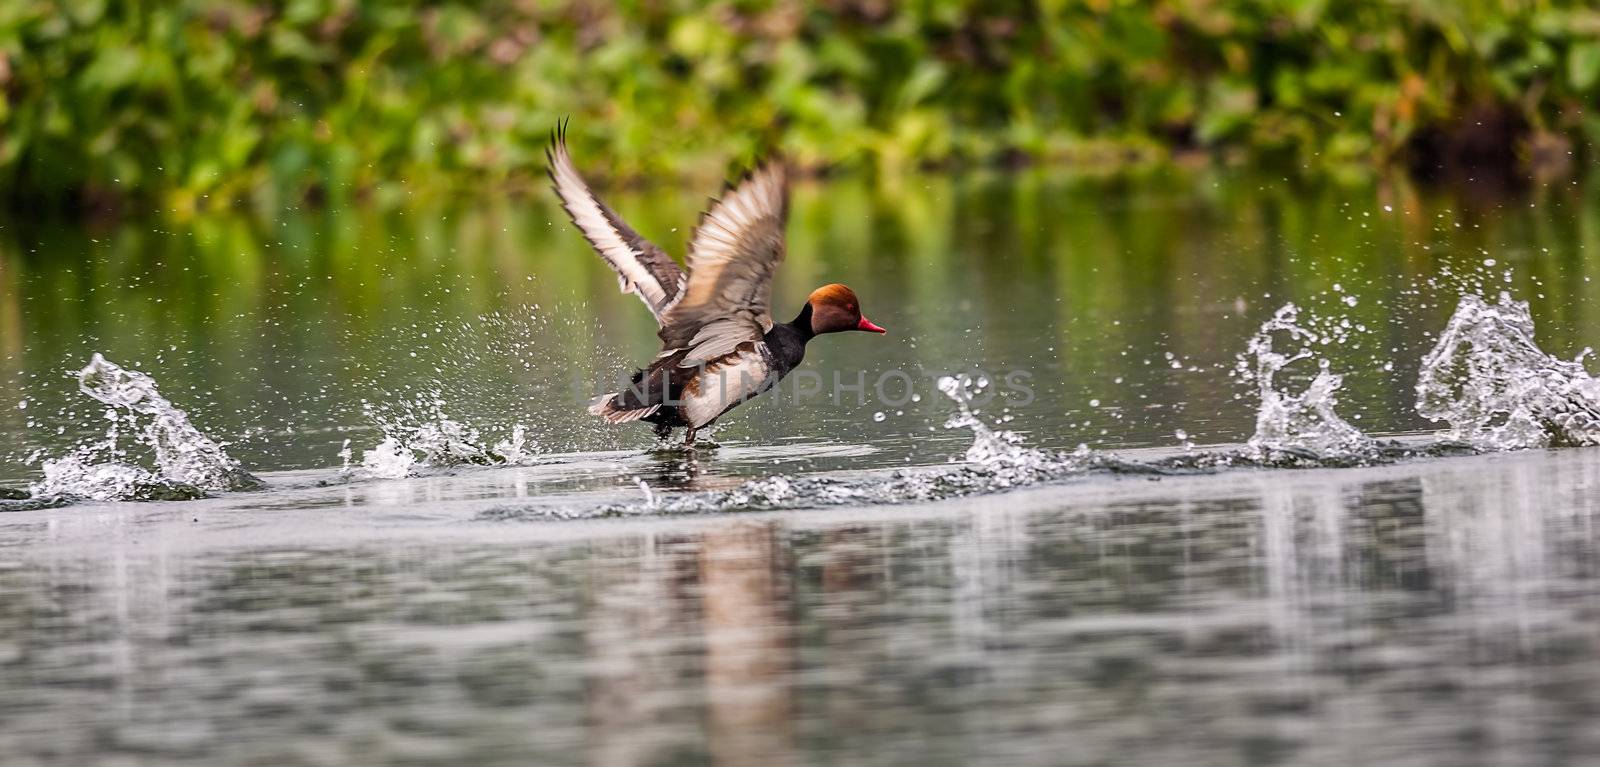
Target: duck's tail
point(608, 407)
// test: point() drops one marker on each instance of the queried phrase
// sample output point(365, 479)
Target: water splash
point(419, 434)
point(12, 499)
point(1489, 380)
point(186, 463)
point(1000, 456)
point(995, 460)
point(389, 459)
point(1296, 426)
point(1293, 429)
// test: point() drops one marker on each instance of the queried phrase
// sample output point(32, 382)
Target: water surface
point(1432, 610)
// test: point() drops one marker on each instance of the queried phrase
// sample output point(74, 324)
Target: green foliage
point(182, 102)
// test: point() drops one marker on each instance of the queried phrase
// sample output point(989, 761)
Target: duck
point(719, 344)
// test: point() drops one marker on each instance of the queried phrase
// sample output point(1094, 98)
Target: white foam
point(389, 459)
point(995, 460)
point(999, 454)
point(421, 435)
point(1304, 423)
point(1490, 382)
point(186, 462)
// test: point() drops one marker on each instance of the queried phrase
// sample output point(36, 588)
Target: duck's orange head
point(834, 309)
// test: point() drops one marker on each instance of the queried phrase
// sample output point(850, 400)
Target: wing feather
point(733, 253)
point(641, 267)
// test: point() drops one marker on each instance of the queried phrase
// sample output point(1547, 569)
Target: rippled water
point(1442, 608)
point(1293, 476)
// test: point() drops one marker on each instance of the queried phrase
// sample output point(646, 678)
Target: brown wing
point(733, 253)
point(641, 267)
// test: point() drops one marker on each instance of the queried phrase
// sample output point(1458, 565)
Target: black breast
point(787, 346)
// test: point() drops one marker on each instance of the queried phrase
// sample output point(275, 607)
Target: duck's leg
point(688, 437)
point(663, 432)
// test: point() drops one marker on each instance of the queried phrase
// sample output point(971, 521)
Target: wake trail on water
point(1486, 380)
point(475, 377)
point(996, 460)
point(419, 436)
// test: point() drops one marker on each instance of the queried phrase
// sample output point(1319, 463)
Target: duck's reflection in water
point(639, 623)
point(1441, 612)
point(711, 611)
point(688, 470)
point(745, 593)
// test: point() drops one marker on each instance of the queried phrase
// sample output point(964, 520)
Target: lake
point(1079, 506)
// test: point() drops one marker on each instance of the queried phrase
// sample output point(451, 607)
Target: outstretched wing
point(733, 253)
point(641, 267)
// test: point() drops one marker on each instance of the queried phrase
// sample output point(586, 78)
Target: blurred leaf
point(290, 43)
point(1583, 66)
point(1229, 107)
point(112, 69)
point(191, 98)
point(925, 79)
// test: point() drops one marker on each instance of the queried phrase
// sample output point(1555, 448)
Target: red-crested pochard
point(719, 345)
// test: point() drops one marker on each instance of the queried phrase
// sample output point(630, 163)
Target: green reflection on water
point(273, 333)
